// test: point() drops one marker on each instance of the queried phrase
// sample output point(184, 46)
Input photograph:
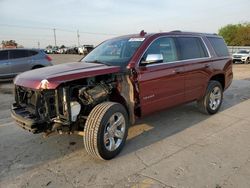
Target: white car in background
point(242, 56)
point(85, 49)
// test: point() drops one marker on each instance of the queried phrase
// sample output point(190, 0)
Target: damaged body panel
point(37, 110)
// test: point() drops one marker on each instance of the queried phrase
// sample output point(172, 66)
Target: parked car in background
point(85, 49)
point(15, 61)
point(242, 56)
point(72, 50)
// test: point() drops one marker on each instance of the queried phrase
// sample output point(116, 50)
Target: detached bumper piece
point(26, 120)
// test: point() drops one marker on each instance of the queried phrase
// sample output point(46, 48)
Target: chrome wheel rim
point(215, 98)
point(114, 131)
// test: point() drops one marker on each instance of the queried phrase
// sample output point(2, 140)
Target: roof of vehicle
point(175, 32)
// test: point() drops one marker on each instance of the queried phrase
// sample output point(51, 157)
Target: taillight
point(48, 58)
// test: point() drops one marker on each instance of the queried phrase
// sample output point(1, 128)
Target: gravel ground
point(174, 148)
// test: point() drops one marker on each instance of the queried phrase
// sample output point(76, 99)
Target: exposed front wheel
point(106, 130)
point(212, 100)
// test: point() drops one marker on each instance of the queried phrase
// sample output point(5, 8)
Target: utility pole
point(55, 35)
point(78, 38)
point(38, 44)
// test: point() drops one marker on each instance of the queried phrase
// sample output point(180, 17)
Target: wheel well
point(220, 78)
point(116, 97)
point(37, 66)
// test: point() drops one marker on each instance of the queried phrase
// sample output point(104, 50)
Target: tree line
point(236, 34)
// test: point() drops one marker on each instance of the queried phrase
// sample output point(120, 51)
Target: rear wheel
point(37, 67)
point(106, 130)
point(212, 100)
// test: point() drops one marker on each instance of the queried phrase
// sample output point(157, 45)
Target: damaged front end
point(64, 109)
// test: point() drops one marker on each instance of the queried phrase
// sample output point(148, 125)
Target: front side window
point(3, 55)
point(164, 46)
point(191, 48)
point(114, 52)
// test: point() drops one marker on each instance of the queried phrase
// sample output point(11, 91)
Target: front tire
point(211, 102)
point(106, 130)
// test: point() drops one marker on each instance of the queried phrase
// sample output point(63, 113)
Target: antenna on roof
point(143, 33)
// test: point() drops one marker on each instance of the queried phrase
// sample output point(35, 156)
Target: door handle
point(207, 65)
point(177, 71)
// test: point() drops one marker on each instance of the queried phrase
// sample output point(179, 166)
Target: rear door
point(20, 61)
point(161, 85)
point(196, 62)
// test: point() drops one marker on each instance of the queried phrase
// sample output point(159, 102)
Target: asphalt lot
point(179, 147)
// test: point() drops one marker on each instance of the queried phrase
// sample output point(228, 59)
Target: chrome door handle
point(207, 65)
point(177, 71)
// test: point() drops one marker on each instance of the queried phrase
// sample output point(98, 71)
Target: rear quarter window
point(219, 46)
point(191, 48)
point(32, 52)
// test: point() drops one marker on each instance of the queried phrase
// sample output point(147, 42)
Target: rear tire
point(37, 67)
point(210, 103)
point(106, 130)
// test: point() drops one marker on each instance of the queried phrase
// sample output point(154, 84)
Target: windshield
point(114, 52)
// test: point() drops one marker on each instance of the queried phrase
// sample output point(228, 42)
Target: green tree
point(9, 43)
point(236, 34)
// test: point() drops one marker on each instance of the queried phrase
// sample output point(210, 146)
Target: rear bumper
point(25, 120)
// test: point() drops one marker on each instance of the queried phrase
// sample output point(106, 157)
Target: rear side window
point(219, 46)
point(32, 52)
point(191, 48)
point(14, 54)
point(3, 55)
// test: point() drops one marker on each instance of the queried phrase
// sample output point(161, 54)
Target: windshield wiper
point(99, 62)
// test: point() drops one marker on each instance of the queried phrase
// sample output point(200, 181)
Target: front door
point(161, 84)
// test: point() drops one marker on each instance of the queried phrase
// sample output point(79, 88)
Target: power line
point(59, 29)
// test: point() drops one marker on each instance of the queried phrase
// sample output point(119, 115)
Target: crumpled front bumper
point(25, 119)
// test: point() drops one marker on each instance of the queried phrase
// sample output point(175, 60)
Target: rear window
point(3, 55)
point(14, 54)
point(219, 46)
point(191, 48)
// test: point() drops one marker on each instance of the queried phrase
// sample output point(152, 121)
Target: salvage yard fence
point(233, 49)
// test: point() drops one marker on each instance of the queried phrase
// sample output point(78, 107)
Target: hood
point(58, 74)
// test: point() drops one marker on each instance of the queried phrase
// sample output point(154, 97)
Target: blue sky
point(34, 20)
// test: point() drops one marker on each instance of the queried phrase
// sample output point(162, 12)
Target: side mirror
point(153, 58)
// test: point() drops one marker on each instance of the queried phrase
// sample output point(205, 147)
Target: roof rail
point(174, 31)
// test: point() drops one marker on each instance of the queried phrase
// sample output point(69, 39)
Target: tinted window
point(219, 46)
point(32, 52)
point(3, 55)
point(164, 46)
point(14, 54)
point(191, 48)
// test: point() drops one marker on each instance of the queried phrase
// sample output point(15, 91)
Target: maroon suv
point(123, 79)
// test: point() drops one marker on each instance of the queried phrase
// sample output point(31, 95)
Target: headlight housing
point(44, 84)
